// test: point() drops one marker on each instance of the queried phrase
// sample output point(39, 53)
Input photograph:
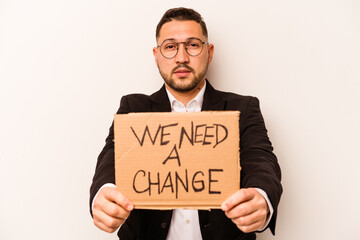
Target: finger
point(241, 210)
point(255, 205)
point(114, 195)
point(250, 228)
point(116, 211)
point(238, 197)
point(250, 219)
point(102, 226)
point(106, 222)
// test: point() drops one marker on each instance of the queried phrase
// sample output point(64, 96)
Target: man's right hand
point(111, 208)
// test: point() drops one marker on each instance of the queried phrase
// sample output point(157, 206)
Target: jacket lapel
point(212, 100)
point(160, 101)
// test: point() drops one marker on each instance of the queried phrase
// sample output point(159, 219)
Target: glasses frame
point(177, 47)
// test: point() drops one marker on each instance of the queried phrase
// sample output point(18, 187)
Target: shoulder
point(237, 101)
point(230, 96)
point(231, 100)
point(135, 102)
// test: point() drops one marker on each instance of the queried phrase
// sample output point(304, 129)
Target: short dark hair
point(181, 14)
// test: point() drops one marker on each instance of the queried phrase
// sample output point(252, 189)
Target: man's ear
point(210, 52)
point(155, 52)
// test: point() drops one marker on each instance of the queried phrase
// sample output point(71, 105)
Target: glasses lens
point(194, 47)
point(168, 49)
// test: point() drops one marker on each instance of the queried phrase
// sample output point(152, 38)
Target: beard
point(183, 84)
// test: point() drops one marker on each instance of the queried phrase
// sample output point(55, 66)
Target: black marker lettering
point(170, 185)
point(196, 132)
point(198, 181)
point(143, 172)
point(177, 178)
point(217, 134)
point(154, 183)
point(210, 180)
point(173, 157)
point(143, 137)
point(191, 140)
point(162, 142)
point(207, 136)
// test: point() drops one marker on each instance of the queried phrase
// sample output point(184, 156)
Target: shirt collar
point(199, 98)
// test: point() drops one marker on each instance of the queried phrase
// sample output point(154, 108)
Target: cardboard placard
point(177, 160)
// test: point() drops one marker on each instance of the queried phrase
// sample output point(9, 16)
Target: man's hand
point(247, 208)
point(111, 208)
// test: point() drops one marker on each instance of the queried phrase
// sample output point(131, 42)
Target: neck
point(185, 97)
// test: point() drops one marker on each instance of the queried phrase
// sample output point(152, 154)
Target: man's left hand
point(247, 208)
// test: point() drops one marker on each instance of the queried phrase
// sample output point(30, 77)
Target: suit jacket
point(259, 166)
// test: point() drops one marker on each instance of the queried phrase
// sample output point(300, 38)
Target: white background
point(64, 66)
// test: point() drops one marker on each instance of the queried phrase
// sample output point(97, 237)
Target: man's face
point(183, 73)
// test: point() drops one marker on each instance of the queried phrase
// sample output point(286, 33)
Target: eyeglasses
point(193, 47)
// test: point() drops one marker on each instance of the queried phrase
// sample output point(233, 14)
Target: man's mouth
point(182, 72)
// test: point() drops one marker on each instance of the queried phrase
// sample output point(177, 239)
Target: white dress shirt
point(185, 222)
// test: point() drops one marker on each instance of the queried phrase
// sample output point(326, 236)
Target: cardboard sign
point(177, 160)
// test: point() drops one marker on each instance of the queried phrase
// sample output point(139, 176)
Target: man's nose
point(182, 56)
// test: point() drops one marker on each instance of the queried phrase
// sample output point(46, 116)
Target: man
point(183, 55)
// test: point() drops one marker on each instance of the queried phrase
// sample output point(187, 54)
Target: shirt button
point(187, 221)
point(163, 225)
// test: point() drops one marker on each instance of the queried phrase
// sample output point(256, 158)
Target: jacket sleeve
point(105, 169)
point(260, 166)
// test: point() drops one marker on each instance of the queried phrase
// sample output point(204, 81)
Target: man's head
point(182, 54)
point(181, 14)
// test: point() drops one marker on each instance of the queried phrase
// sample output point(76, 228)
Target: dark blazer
point(259, 166)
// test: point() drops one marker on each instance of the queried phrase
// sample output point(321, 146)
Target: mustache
point(183, 66)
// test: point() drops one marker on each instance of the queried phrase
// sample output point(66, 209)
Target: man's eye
point(193, 45)
point(170, 46)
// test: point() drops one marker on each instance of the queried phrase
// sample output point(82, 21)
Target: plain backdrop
point(64, 66)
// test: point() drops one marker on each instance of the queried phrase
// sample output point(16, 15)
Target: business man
point(182, 56)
